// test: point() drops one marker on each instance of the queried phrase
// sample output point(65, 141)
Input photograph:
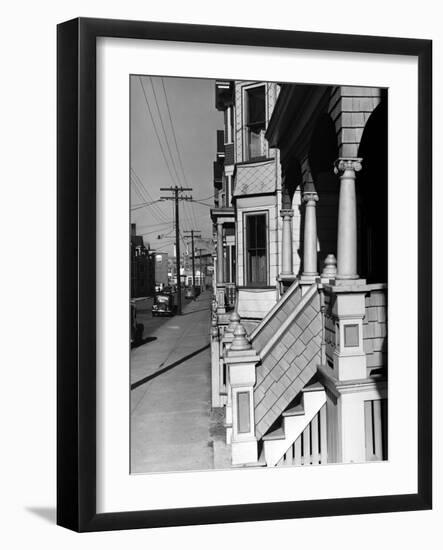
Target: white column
point(310, 197)
point(347, 218)
point(286, 268)
point(228, 125)
point(219, 252)
point(220, 269)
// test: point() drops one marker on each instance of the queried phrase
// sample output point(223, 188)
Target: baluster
point(314, 440)
point(323, 436)
point(377, 430)
point(369, 435)
point(306, 450)
point(297, 451)
point(384, 426)
point(290, 455)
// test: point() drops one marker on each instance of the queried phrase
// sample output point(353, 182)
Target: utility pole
point(176, 197)
point(193, 235)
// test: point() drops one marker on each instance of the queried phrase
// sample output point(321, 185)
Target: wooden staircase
point(303, 427)
point(288, 359)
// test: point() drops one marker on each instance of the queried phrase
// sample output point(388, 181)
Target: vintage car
point(164, 304)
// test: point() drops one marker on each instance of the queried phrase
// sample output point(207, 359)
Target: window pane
point(261, 231)
point(256, 249)
point(256, 105)
point(250, 231)
point(255, 143)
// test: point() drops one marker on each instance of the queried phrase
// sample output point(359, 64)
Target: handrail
point(276, 307)
point(289, 320)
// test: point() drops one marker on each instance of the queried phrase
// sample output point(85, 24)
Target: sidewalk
point(172, 427)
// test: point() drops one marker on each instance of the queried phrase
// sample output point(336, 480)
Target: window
point(256, 250)
point(255, 122)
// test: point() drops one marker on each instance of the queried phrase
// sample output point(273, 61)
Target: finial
point(234, 320)
point(330, 267)
point(240, 342)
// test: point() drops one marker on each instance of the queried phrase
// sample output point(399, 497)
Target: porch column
point(347, 218)
point(219, 252)
point(228, 124)
point(220, 265)
point(286, 268)
point(310, 197)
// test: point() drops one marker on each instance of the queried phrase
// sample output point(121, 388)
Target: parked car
point(136, 328)
point(164, 304)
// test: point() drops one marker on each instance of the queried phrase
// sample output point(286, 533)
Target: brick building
point(142, 267)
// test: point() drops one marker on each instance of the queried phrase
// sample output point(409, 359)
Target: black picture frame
point(76, 294)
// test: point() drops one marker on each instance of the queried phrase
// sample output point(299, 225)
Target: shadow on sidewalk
point(195, 311)
point(143, 341)
point(169, 367)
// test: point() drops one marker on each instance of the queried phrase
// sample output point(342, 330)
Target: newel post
point(242, 361)
point(228, 336)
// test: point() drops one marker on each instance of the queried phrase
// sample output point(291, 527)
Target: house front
point(299, 356)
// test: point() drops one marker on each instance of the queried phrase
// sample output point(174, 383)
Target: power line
point(148, 197)
point(164, 130)
point(138, 206)
point(173, 133)
point(156, 132)
point(143, 197)
point(179, 156)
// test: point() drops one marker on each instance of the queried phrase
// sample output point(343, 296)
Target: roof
point(255, 178)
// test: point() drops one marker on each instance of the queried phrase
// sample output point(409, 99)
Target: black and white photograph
point(259, 269)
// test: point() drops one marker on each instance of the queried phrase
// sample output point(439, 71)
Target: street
point(172, 425)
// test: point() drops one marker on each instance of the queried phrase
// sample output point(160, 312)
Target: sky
point(187, 134)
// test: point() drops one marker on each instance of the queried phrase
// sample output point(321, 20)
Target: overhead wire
point(164, 130)
point(192, 215)
point(149, 197)
point(152, 210)
point(157, 133)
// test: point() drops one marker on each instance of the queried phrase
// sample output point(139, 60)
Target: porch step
point(295, 420)
point(298, 410)
point(274, 435)
point(315, 386)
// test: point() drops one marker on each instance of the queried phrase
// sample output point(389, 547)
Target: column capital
point(286, 213)
point(220, 221)
point(344, 164)
point(310, 196)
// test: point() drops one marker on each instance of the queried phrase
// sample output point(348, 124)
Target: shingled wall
point(288, 365)
point(375, 329)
